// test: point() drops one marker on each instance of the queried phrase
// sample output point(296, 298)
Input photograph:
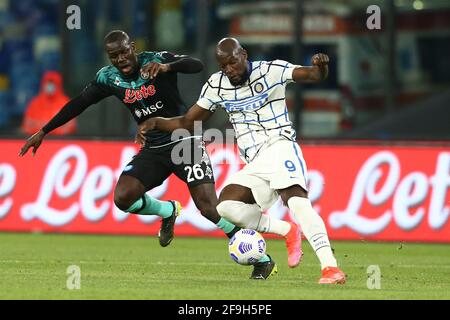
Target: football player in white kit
point(253, 94)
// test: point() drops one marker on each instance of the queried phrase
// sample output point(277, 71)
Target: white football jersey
point(257, 109)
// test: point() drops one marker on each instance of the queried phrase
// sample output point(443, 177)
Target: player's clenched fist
point(320, 59)
point(145, 126)
point(151, 70)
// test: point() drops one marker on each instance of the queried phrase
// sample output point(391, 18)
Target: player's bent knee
point(230, 210)
point(292, 191)
point(223, 208)
point(123, 200)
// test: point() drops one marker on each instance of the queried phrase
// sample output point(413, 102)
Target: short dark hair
point(116, 35)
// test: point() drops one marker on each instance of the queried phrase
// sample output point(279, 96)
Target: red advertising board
point(362, 192)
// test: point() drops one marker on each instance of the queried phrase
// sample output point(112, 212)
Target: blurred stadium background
point(376, 133)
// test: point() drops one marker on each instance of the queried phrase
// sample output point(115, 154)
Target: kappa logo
point(209, 172)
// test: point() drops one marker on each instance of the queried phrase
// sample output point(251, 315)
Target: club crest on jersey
point(133, 95)
point(258, 87)
point(145, 75)
point(117, 82)
point(252, 103)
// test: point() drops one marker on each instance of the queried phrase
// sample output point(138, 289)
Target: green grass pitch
point(34, 266)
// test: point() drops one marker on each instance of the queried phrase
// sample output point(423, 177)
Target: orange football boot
point(332, 275)
point(294, 245)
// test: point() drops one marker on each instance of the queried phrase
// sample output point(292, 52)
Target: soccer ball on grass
point(247, 246)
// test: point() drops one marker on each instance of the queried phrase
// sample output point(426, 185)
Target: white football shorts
point(278, 166)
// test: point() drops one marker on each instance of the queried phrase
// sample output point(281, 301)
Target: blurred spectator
point(169, 24)
point(46, 104)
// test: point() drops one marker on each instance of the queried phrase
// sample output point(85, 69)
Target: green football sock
point(264, 259)
point(147, 205)
point(225, 225)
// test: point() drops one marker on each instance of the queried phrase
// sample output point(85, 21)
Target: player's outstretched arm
point(89, 96)
point(195, 113)
point(316, 73)
point(67, 113)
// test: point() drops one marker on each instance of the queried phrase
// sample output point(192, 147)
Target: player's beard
point(243, 78)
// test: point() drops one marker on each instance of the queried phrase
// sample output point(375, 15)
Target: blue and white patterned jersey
point(257, 109)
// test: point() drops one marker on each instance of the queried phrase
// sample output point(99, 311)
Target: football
point(247, 246)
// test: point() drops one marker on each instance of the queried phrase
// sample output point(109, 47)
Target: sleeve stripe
point(204, 91)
